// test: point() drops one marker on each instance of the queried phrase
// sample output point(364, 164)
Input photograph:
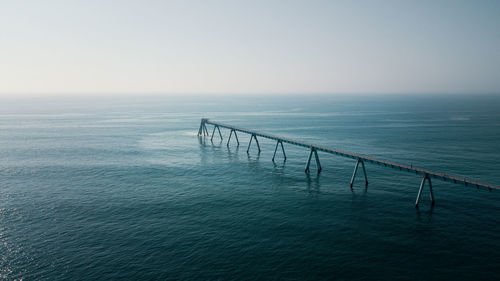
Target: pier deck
point(427, 174)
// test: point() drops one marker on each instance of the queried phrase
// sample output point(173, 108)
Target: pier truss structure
point(360, 159)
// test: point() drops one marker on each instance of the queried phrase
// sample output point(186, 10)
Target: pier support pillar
point(425, 178)
point(220, 134)
point(206, 130)
point(235, 135)
point(318, 164)
point(213, 133)
point(203, 127)
point(256, 141)
point(356, 170)
point(282, 148)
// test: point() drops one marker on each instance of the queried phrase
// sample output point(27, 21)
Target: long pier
point(360, 159)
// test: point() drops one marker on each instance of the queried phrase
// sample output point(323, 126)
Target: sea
point(120, 187)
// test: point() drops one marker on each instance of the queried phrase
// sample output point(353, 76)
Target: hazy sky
point(76, 47)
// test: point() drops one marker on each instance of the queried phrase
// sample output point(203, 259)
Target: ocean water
point(122, 188)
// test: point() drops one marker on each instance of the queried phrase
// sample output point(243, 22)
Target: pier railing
point(360, 159)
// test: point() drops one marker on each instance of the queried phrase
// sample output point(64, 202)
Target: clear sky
point(105, 46)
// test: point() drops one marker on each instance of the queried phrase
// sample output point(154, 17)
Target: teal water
point(107, 188)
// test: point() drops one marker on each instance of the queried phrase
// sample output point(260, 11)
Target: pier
point(426, 174)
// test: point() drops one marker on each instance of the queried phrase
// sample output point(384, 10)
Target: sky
point(99, 47)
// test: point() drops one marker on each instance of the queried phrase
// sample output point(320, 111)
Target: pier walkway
point(360, 159)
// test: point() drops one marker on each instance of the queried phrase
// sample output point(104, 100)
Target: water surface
point(124, 189)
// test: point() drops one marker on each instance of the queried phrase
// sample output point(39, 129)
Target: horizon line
point(197, 94)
